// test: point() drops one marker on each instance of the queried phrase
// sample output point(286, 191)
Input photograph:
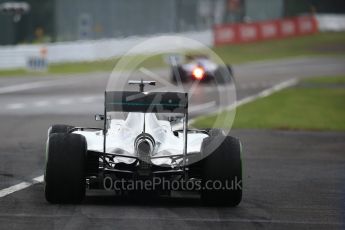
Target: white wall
point(331, 22)
point(16, 56)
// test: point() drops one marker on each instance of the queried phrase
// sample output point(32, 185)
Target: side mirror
point(99, 117)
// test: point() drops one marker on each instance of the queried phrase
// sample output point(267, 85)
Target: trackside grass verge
point(298, 108)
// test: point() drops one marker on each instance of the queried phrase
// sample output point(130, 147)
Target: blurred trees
point(296, 7)
point(65, 20)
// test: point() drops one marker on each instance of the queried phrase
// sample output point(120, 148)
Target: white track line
point(43, 84)
point(64, 101)
point(88, 99)
point(41, 103)
point(196, 108)
point(26, 86)
point(20, 186)
point(265, 93)
point(15, 106)
point(262, 94)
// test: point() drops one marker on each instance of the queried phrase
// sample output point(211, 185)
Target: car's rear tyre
point(215, 132)
point(221, 171)
point(229, 68)
point(224, 75)
point(59, 129)
point(178, 74)
point(65, 168)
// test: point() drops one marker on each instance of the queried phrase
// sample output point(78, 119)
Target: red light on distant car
point(198, 73)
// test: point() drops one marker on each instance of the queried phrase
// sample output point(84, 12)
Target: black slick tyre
point(65, 168)
point(221, 171)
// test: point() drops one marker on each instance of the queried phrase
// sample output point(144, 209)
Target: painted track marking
point(15, 106)
point(20, 186)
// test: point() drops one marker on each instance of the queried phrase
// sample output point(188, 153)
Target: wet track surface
point(293, 180)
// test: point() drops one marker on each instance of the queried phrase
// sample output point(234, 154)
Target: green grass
point(106, 65)
point(296, 108)
point(85, 67)
point(82, 67)
point(14, 72)
point(326, 80)
point(313, 45)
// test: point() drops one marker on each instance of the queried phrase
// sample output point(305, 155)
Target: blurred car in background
point(200, 68)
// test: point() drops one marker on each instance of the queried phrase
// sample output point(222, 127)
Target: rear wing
point(146, 102)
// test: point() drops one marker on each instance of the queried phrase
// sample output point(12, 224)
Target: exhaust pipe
point(144, 145)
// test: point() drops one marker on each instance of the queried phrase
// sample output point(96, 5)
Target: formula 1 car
point(200, 68)
point(142, 147)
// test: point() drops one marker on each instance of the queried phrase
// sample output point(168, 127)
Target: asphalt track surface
point(293, 180)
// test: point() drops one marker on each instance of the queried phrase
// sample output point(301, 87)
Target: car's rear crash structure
point(141, 147)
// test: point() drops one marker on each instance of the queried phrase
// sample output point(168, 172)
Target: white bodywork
point(121, 136)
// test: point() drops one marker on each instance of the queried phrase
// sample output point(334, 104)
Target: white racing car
point(200, 68)
point(142, 146)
